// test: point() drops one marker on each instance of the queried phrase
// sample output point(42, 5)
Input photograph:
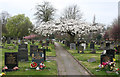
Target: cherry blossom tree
point(71, 27)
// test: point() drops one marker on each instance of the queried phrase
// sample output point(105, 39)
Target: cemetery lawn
point(51, 66)
point(51, 69)
point(92, 66)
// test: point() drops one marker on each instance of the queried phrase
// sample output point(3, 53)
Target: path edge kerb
point(79, 62)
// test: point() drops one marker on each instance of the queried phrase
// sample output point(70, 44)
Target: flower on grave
point(5, 68)
point(37, 68)
point(115, 50)
point(42, 65)
point(80, 51)
point(103, 63)
point(15, 68)
point(116, 69)
point(114, 59)
point(2, 74)
point(33, 65)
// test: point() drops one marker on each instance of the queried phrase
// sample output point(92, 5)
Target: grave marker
point(72, 46)
point(33, 48)
point(80, 49)
point(91, 60)
point(11, 59)
point(39, 56)
point(92, 45)
point(22, 52)
point(107, 55)
point(8, 41)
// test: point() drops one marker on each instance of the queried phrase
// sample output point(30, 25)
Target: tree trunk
point(72, 38)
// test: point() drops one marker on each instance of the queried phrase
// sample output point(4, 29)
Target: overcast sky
point(105, 10)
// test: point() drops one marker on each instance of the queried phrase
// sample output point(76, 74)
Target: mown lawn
point(51, 66)
point(92, 66)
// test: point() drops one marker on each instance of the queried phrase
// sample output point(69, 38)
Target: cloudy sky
point(105, 10)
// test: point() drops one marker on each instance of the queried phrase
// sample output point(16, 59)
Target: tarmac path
point(67, 65)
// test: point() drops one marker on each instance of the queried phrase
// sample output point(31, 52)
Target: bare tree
point(72, 12)
point(3, 20)
point(44, 12)
point(115, 31)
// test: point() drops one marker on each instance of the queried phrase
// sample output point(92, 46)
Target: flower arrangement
point(38, 66)
point(109, 66)
point(6, 69)
point(42, 65)
point(2, 74)
point(33, 65)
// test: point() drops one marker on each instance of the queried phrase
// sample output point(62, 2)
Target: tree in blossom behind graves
point(72, 27)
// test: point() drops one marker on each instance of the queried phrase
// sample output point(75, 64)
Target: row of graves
point(38, 56)
point(83, 45)
point(107, 58)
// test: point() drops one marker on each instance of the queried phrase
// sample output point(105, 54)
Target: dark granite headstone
point(106, 58)
point(11, 59)
point(108, 45)
point(92, 45)
point(67, 43)
point(80, 49)
point(33, 48)
point(33, 41)
point(22, 52)
point(107, 55)
point(39, 56)
point(44, 52)
point(8, 41)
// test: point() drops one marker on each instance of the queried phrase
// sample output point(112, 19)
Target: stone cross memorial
point(11, 59)
point(22, 52)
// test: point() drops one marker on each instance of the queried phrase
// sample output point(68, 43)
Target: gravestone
point(91, 60)
point(107, 45)
point(43, 51)
point(8, 41)
point(39, 56)
point(33, 41)
point(47, 42)
point(107, 55)
point(67, 43)
point(19, 41)
point(84, 45)
point(72, 46)
point(33, 48)
point(92, 46)
point(80, 49)
point(22, 52)
point(11, 59)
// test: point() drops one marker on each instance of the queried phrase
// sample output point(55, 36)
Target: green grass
point(92, 66)
point(52, 50)
point(51, 67)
